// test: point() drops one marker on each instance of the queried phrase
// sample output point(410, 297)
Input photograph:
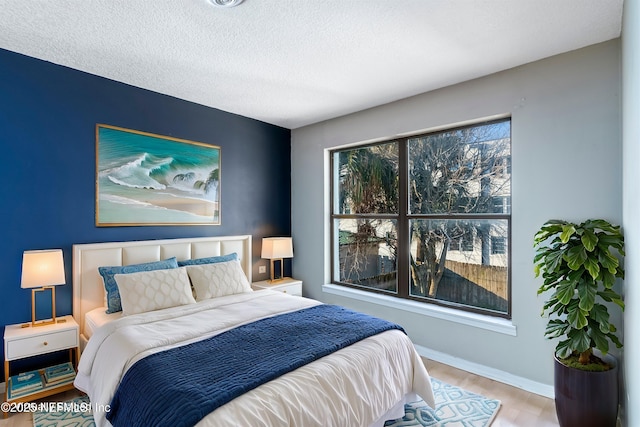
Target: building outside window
point(427, 217)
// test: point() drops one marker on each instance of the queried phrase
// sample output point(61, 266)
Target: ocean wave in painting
point(159, 173)
point(137, 173)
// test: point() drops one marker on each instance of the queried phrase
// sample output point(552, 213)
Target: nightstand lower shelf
point(45, 391)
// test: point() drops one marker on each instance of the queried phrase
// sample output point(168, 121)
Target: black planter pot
point(586, 399)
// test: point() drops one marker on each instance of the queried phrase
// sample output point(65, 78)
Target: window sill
point(502, 326)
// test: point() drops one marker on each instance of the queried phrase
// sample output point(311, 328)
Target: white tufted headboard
point(88, 290)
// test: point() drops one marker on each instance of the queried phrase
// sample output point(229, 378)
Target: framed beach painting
point(148, 179)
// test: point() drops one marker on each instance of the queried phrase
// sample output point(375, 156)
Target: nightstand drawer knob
point(285, 291)
point(46, 343)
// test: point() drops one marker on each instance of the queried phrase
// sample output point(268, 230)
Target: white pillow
point(219, 279)
point(153, 290)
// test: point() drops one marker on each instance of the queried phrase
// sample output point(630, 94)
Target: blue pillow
point(211, 260)
point(110, 285)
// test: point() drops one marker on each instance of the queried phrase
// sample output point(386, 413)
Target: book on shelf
point(24, 383)
point(11, 394)
point(59, 373)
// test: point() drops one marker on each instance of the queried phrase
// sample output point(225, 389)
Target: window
point(498, 245)
point(427, 217)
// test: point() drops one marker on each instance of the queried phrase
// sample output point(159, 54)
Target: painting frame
point(146, 179)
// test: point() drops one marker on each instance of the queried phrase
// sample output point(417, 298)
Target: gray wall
point(631, 211)
point(567, 161)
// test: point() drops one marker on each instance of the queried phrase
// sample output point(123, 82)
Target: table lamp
point(42, 270)
point(276, 249)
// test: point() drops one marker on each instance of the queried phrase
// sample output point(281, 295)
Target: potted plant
point(579, 264)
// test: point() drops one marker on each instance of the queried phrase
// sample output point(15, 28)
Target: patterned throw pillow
point(153, 290)
point(111, 287)
point(219, 279)
point(210, 260)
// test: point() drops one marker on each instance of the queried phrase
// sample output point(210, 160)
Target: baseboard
point(545, 390)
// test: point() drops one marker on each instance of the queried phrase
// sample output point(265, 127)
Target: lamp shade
point(42, 268)
point(277, 247)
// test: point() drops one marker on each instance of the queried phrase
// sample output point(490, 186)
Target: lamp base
point(43, 323)
point(51, 321)
point(273, 279)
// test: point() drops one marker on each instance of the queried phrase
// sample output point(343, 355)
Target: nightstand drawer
point(46, 343)
point(287, 285)
point(293, 289)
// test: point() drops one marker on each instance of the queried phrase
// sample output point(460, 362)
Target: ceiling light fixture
point(225, 3)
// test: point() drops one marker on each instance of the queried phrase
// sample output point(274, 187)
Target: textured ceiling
point(297, 62)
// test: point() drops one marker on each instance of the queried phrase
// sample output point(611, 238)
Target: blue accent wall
point(48, 115)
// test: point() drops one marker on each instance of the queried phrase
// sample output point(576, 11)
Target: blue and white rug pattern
point(455, 407)
point(65, 419)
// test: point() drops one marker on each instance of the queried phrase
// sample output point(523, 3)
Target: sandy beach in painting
point(154, 207)
point(202, 208)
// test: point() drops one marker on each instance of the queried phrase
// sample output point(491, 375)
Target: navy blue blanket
point(180, 386)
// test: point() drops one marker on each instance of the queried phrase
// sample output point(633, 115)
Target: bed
point(362, 381)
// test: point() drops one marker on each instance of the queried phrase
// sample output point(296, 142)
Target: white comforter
point(352, 387)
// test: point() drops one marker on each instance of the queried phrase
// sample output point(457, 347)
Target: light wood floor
point(519, 408)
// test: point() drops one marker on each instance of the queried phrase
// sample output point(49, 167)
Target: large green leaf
point(575, 257)
point(610, 240)
point(575, 275)
point(587, 295)
point(600, 224)
point(607, 279)
point(592, 266)
point(600, 340)
point(577, 318)
point(540, 254)
point(600, 315)
point(565, 291)
point(568, 230)
point(554, 306)
point(579, 340)
point(556, 328)
point(612, 296)
point(550, 228)
point(564, 349)
point(551, 302)
point(589, 240)
point(553, 260)
point(549, 283)
point(614, 339)
point(608, 261)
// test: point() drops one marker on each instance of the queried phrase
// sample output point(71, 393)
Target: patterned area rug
point(66, 418)
point(455, 407)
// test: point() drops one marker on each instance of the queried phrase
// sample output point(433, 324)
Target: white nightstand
point(287, 285)
point(21, 342)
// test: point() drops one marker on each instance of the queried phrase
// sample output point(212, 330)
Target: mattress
point(96, 318)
